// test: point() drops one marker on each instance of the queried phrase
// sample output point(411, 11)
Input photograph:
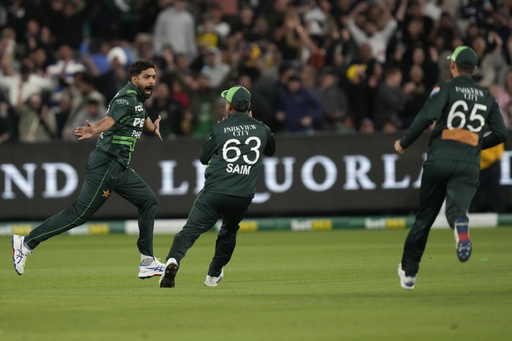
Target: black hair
point(242, 107)
point(140, 65)
point(464, 69)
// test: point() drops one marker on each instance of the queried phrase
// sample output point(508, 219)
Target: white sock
point(144, 257)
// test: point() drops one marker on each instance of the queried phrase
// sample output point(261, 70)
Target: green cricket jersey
point(234, 152)
point(461, 110)
point(127, 110)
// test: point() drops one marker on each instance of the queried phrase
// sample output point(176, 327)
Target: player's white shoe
point(463, 244)
point(407, 282)
point(213, 281)
point(20, 253)
point(167, 279)
point(150, 267)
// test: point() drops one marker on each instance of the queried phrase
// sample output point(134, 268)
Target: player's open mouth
point(148, 90)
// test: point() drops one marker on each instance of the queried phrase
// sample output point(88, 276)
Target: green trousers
point(205, 212)
point(454, 180)
point(104, 176)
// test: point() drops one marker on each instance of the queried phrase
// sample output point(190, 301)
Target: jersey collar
point(238, 114)
point(139, 95)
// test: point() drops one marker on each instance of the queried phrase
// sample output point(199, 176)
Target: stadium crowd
point(342, 66)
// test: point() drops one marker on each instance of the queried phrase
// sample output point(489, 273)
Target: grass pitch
point(335, 285)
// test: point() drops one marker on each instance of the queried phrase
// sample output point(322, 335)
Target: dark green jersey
point(234, 152)
point(127, 110)
point(461, 110)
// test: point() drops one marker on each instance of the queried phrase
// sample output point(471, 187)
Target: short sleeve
point(119, 107)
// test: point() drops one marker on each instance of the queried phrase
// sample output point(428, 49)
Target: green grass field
point(335, 285)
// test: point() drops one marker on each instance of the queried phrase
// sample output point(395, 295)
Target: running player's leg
point(460, 191)
point(134, 189)
point(95, 191)
point(233, 211)
point(202, 217)
point(432, 194)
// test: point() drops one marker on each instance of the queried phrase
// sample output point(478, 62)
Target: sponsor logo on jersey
point(122, 101)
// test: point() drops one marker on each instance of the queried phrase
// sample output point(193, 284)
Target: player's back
point(459, 130)
point(235, 150)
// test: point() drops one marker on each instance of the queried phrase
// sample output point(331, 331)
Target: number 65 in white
point(474, 116)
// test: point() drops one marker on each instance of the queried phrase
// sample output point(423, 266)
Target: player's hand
point(85, 132)
point(157, 125)
point(398, 147)
point(250, 113)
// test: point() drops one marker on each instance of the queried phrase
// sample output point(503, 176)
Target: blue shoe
point(167, 279)
point(150, 267)
point(407, 282)
point(463, 244)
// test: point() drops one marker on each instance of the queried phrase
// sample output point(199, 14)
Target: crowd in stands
point(342, 66)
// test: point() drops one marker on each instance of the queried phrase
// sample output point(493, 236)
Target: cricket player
point(233, 153)
point(108, 171)
point(460, 109)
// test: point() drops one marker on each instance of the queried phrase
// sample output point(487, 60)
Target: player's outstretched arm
point(89, 130)
point(398, 147)
point(153, 127)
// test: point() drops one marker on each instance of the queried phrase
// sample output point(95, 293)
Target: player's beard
point(146, 91)
point(148, 94)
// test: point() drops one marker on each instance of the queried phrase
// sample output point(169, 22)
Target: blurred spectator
point(62, 110)
point(260, 33)
point(206, 34)
point(366, 126)
point(66, 20)
point(416, 98)
point(83, 91)
point(503, 95)
point(286, 36)
point(36, 123)
point(8, 121)
point(475, 11)
point(65, 67)
point(334, 100)
point(447, 29)
point(203, 103)
point(364, 30)
point(176, 26)
point(255, 42)
point(270, 87)
point(418, 26)
point(220, 27)
point(214, 68)
point(260, 106)
point(178, 94)
point(298, 107)
point(360, 83)
point(490, 63)
point(21, 86)
point(7, 48)
point(244, 21)
point(172, 112)
point(427, 60)
point(93, 112)
point(390, 100)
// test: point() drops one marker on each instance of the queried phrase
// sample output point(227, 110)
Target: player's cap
point(237, 95)
point(464, 56)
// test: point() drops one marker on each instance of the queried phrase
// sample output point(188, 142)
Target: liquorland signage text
point(308, 175)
